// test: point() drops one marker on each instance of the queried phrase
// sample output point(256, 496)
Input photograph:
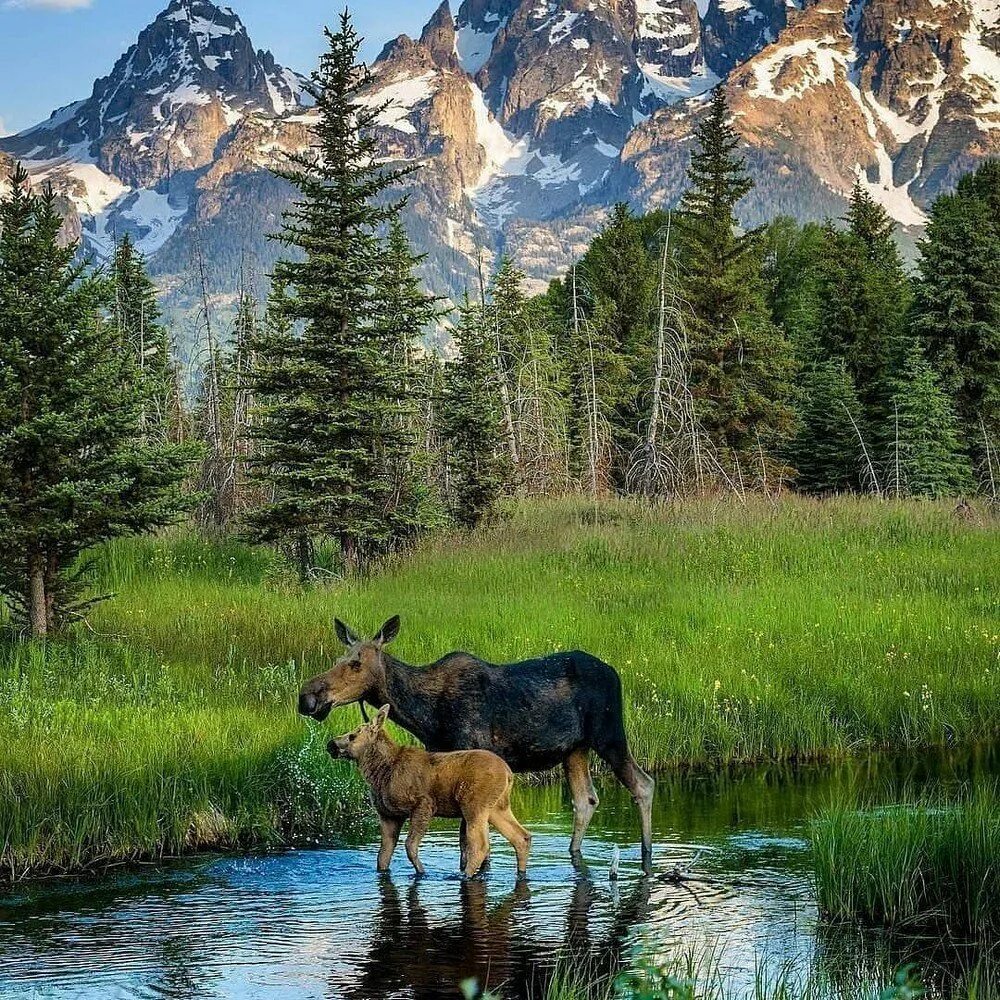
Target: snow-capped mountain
point(530, 117)
point(191, 78)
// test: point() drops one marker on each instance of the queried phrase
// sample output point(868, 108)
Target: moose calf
point(410, 783)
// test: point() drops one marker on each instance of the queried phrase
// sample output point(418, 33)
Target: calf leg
point(420, 821)
point(390, 838)
point(585, 801)
point(515, 834)
point(642, 786)
point(478, 840)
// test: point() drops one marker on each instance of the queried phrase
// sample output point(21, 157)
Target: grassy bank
point(710, 977)
point(768, 632)
point(931, 864)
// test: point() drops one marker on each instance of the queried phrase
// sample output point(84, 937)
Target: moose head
point(352, 745)
point(360, 671)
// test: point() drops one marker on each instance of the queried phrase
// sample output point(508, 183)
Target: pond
point(321, 923)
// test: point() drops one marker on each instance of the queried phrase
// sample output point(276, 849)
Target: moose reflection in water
point(534, 714)
point(422, 956)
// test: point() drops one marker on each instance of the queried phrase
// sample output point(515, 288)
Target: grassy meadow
point(931, 865)
point(781, 631)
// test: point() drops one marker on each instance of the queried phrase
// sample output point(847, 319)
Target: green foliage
point(136, 314)
point(793, 631)
point(742, 361)
point(826, 450)
point(477, 461)
point(929, 863)
point(79, 462)
point(332, 426)
point(926, 458)
point(956, 311)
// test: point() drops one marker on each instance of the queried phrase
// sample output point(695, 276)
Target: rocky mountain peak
point(190, 76)
point(439, 37)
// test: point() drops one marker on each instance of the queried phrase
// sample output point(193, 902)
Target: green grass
point(709, 976)
point(768, 632)
point(932, 864)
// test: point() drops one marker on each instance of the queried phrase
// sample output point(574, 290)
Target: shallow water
point(321, 923)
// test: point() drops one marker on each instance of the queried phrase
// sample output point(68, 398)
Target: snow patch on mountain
point(812, 62)
point(982, 63)
point(473, 46)
point(401, 98)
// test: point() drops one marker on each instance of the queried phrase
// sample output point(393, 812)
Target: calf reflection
point(504, 944)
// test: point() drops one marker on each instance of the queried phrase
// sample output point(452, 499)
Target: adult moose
point(534, 714)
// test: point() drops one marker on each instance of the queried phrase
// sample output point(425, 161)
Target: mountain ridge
point(528, 118)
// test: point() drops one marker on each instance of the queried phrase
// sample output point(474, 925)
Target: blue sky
point(51, 51)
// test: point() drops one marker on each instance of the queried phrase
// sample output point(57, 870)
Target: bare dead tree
point(991, 463)
point(676, 456)
point(869, 474)
point(597, 440)
point(500, 357)
point(214, 465)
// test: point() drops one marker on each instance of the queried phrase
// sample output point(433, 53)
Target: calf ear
point(380, 719)
point(388, 631)
point(344, 633)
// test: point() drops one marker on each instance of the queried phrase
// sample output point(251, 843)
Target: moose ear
point(379, 721)
point(388, 632)
point(344, 633)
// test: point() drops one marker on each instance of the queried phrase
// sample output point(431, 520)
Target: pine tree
point(925, 458)
point(827, 451)
point(956, 312)
point(478, 464)
point(405, 312)
point(76, 467)
point(867, 302)
point(621, 271)
point(332, 393)
point(504, 312)
point(741, 361)
point(137, 319)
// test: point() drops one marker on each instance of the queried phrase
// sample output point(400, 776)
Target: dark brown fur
point(534, 714)
point(410, 783)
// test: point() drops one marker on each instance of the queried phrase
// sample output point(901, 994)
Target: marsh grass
point(931, 863)
point(709, 976)
point(789, 631)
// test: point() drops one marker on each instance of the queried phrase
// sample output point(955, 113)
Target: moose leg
point(420, 821)
point(642, 786)
point(585, 801)
point(520, 839)
point(478, 841)
point(390, 838)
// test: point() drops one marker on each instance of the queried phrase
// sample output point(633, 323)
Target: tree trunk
point(37, 608)
point(51, 579)
point(303, 556)
point(349, 550)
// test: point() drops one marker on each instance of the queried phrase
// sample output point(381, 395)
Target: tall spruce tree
point(956, 313)
point(827, 452)
point(621, 279)
point(478, 464)
point(137, 317)
point(332, 392)
point(866, 301)
point(925, 456)
point(741, 361)
point(406, 312)
point(76, 467)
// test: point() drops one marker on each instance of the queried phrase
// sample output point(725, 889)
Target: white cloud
point(3, 128)
point(50, 4)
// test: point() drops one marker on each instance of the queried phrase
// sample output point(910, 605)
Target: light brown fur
point(410, 783)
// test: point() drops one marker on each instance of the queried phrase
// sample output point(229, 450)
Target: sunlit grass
point(933, 863)
point(768, 632)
